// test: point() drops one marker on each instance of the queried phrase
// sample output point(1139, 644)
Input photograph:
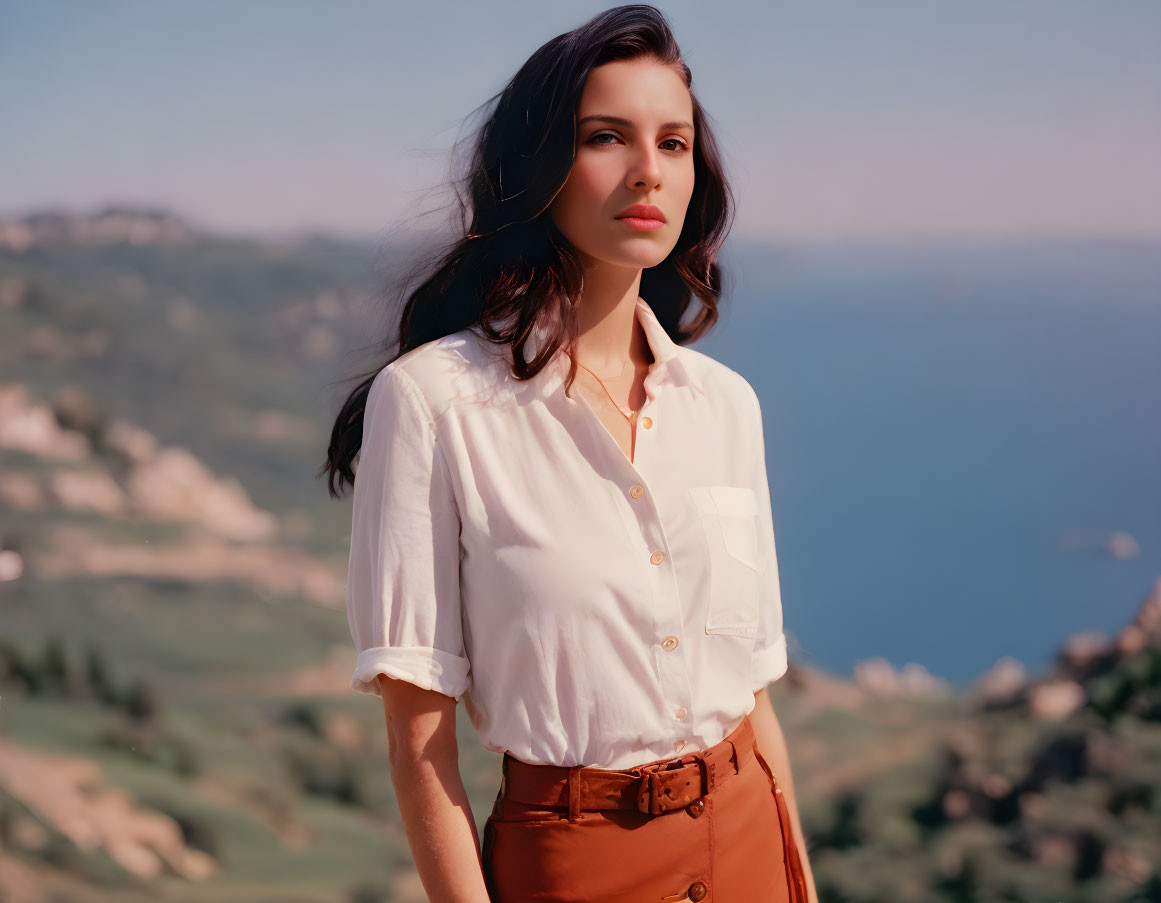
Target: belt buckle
point(650, 798)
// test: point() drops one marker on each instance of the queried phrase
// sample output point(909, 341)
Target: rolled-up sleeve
point(403, 580)
point(769, 661)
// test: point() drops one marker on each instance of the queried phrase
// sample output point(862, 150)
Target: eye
point(681, 145)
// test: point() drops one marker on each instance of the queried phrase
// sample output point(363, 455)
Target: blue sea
point(953, 433)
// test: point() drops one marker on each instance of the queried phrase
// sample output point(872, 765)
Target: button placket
point(671, 663)
point(669, 646)
point(668, 618)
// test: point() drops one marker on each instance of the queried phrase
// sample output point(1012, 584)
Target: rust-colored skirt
point(711, 826)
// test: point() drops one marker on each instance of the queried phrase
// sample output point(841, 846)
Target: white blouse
point(591, 610)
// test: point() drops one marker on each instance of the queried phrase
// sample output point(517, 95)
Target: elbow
point(421, 724)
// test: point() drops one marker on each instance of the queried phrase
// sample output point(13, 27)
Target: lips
point(642, 211)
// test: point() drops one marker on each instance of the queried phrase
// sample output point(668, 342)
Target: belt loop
point(737, 748)
point(498, 805)
point(707, 774)
point(574, 792)
point(745, 741)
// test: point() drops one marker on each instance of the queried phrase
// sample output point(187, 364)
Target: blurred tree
point(54, 667)
point(141, 702)
point(100, 684)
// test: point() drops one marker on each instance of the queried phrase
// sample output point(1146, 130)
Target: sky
point(840, 119)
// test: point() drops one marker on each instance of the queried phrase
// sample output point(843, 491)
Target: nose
point(645, 171)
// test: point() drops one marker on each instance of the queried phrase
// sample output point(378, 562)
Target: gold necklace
point(627, 413)
point(619, 374)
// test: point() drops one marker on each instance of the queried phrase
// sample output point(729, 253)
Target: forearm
point(441, 829)
point(772, 744)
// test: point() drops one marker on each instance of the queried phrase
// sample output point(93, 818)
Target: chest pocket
point(729, 518)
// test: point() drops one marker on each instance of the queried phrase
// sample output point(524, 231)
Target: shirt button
point(669, 643)
point(697, 891)
point(647, 422)
point(636, 490)
point(680, 713)
point(657, 557)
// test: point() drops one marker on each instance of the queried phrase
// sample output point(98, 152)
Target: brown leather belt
point(653, 788)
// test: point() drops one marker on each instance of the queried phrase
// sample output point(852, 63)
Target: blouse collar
point(669, 357)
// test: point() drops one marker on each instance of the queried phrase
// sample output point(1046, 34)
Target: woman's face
point(634, 146)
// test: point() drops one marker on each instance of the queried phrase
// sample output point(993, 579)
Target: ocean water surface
point(954, 434)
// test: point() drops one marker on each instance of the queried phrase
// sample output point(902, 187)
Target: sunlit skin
point(649, 161)
point(634, 145)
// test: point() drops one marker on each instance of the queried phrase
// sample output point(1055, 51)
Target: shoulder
point(721, 382)
point(441, 372)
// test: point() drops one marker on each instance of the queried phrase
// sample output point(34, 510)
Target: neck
point(608, 334)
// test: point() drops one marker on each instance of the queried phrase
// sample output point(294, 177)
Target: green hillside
point(175, 717)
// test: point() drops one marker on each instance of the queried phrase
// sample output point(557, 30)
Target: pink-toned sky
point(994, 118)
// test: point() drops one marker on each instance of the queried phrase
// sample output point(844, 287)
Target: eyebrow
point(618, 120)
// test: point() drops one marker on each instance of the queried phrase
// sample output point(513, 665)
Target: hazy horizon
point(901, 120)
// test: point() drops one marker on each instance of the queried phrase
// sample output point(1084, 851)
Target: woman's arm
point(772, 745)
point(424, 757)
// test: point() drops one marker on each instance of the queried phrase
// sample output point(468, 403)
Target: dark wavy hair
point(512, 270)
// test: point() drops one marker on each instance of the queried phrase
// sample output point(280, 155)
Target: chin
point(636, 254)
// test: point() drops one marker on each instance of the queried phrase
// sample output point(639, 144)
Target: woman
point(562, 513)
